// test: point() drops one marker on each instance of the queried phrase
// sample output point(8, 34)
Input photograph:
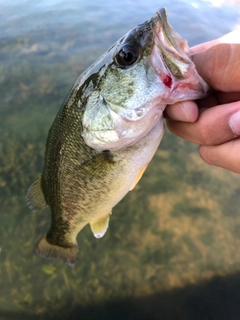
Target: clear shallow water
point(172, 249)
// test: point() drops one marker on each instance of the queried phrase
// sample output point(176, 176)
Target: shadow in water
point(215, 299)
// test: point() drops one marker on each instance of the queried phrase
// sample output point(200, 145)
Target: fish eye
point(127, 55)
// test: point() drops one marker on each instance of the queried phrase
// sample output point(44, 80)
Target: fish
point(108, 130)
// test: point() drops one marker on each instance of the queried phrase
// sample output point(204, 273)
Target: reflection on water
point(168, 239)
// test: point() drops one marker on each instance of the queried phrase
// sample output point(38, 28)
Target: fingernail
point(234, 123)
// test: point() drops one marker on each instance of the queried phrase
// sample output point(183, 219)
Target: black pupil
point(127, 56)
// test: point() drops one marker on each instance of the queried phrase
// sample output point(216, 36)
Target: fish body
point(108, 130)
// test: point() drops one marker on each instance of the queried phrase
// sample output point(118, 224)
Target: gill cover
point(119, 94)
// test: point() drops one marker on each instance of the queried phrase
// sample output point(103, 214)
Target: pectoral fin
point(99, 226)
point(35, 197)
point(138, 177)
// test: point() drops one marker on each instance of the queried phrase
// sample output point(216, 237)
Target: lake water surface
point(172, 249)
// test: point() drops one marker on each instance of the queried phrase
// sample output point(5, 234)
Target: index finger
point(231, 37)
point(219, 66)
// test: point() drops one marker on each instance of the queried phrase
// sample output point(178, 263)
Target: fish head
point(129, 87)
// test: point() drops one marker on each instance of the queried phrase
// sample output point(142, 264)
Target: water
point(172, 249)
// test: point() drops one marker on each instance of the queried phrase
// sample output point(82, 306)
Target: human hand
point(214, 122)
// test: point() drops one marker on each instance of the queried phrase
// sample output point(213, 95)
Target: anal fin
point(35, 197)
point(99, 226)
point(138, 177)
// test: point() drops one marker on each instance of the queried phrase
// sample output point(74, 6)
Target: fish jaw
point(171, 58)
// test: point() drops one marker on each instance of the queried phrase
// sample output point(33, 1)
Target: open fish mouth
point(171, 59)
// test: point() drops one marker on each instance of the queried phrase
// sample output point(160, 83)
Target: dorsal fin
point(99, 226)
point(35, 197)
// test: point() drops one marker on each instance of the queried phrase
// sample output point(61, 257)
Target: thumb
point(219, 66)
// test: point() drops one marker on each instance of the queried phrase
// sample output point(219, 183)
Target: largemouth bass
point(107, 131)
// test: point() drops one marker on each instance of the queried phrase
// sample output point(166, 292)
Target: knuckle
point(206, 134)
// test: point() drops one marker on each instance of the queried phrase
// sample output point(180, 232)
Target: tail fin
point(51, 251)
